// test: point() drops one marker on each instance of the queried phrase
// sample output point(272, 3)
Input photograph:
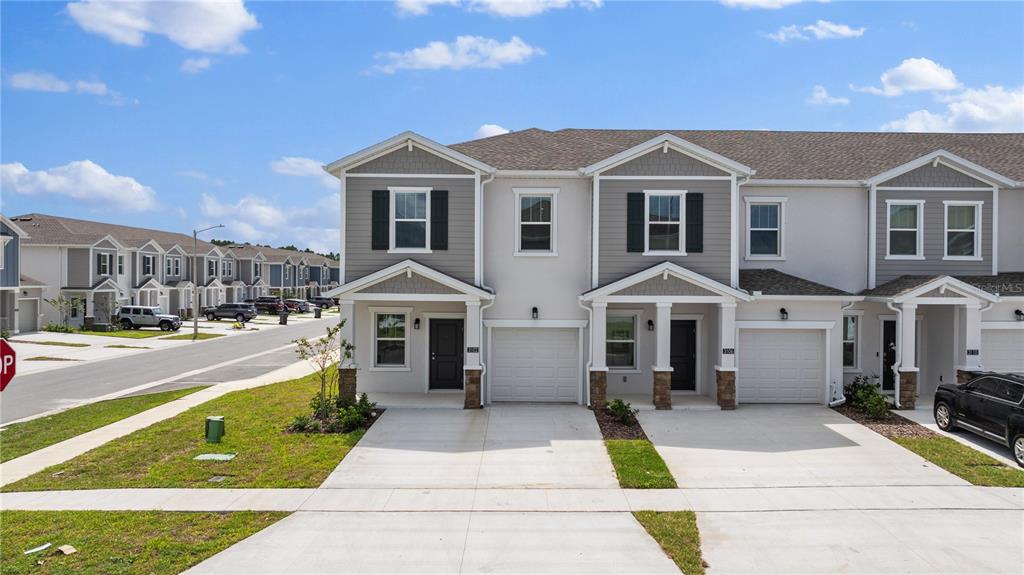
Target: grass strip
point(21, 438)
point(57, 343)
point(964, 462)
point(125, 333)
point(161, 455)
point(183, 336)
point(122, 346)
point(678, 535)
point(50, 358)
point(638, 465)
point(151, 542)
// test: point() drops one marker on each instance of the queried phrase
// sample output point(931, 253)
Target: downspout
point(842, 396)
point(899, 352)
point(590, 351)
point(483, 284)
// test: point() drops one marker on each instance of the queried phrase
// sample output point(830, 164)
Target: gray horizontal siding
point(671, 285)
point(456, 261)
point(404, 161)
point(9, 273)
point(78, 267)
point(939, 176)
point(415, 284)
point(615, 262)
point(659, 163)
point(934, 237)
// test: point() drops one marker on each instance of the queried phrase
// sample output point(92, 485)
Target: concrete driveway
point(505, 446)
point(782, 446)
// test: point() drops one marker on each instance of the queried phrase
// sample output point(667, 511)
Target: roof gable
point(949, 161)
point(666, 142)
point(409, 269)
point(407, 140)
point(693, 280)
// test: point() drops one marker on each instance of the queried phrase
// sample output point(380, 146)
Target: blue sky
point(177, 115)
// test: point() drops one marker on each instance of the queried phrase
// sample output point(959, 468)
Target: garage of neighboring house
point(1003, 349)
point(28, 315)
point(534, 364)
point(781, 366)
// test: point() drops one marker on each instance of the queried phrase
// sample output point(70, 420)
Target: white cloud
point(255, 219)
point(464, 52)
point(765, 4)
point(201, 176)
point(95, 88)
point(304, 167)
point(820, 30)
point(203, 26)
point(501, 8)
point(990, 109)
point(38, 82)
point(820, 96)
point(488, 130)
point(913, 75)
point(195, 65)
point(81, 180)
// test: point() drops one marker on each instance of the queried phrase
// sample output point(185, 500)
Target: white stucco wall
point(44, 263)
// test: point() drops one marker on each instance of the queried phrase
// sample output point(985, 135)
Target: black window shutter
point(694, 223)
point(381, 236)
point(635, 222)
point(438, 219)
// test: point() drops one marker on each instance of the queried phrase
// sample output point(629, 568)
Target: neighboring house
point(19, 294)
point(295, 274)
point(740, 266)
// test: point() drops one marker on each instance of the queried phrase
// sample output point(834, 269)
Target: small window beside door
point(535, 221)
point(620, 347)
point(390, 341)
point(851, 333)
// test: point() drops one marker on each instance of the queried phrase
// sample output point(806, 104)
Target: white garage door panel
point(28, 315)
point(534, 365)
point(1003, 350)
point(780, 366)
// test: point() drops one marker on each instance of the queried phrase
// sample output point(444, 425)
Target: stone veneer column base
point(598, 389)
point(347, 383)
point(726, 381)
point(964, 376)
point(662, 390)
point(908, 389)
point(472, 387)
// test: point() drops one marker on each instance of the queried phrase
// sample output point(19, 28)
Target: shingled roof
point(49, 230)
point(774, 282)
point(775, 155)
point(1004, 284)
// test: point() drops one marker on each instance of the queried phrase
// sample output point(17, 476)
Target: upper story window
point(764, 228)
point(148, 263)
point(211, 267)
point(410, 219)
point(664, 222)
point(905, 227)
point(620, 350)
point(103, 264)
point(120, 264)
point(963, 230)
point(287, 272)
point(257, 268)
point(3, 247)
point(172, 266)
point(535, 221)
point(227, 267)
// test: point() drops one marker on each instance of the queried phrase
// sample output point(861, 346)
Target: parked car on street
point(138, 316)
point(297, 305)
point(322, 302)
point(988, 405)
point(268, 304)
point(241, 312)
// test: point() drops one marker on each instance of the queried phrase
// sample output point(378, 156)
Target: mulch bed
point(612, 428)
point(892, 425)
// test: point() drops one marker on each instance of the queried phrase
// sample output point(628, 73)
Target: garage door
point(534, 365)
point(780, 366)
point(1003, 350)
point(28, 315)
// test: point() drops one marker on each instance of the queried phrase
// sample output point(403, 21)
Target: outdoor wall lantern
point(416, 323)
point(650, 325)
point(1018, 314)
point(783, 313)
point(534, 313)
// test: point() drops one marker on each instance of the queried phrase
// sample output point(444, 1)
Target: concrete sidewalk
point(22, 467)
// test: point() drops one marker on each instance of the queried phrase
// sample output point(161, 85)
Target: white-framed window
point(3, 247)
point(765, 231)
point(962, 238)
point(851, 342)
point(287, 272)
point(536, 210)
point(172, 266)
point(120, 264)
point(904, 239)
point(257, 268)
point(211, 268)
point(227, 267)
point(148, 264)
point(620, 340)
point(391, 338)
point(103, 264)
point(664, 222)
point(410, 220)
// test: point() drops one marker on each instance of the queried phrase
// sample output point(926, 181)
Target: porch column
point(662, 365)
point(347, 367)
point(471, 369)
point(906, 394)
point(725, 371)
point(598, 346)
point(972, 343)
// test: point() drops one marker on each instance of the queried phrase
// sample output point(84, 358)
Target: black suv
point(322, 302)
point(241, 312)
point(989, 405)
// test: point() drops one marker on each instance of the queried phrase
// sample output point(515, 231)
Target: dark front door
point(888, 354)
point(683, 355)
point(446, 353)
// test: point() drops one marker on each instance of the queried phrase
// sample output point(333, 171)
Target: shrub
point(4, 334)
point(300, 423)
point(58, 328)
point(863, 393)
point(342, 415)
point(623, 411)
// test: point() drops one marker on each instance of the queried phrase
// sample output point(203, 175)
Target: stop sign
point(7, 366)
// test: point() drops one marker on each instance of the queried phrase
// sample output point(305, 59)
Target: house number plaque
point(472, 350)
point(973, 352)
point(728, 351)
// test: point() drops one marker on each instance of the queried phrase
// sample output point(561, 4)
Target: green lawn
point(963, 461)
point(122, 346)
point(162, 455)
point(49, 358)
point(638, 465)
point(126, 333)
point(57, 343)
point(677, 533)
point(182, 336)
point(21, 438)
point(108, 542)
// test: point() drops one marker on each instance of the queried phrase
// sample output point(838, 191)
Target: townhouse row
point(681, 267)
point(104, 266)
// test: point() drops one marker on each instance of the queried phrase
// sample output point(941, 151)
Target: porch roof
point(28, 281)
point(150, 283)
point(910, 286)
point(409, 267)
point(664, 269)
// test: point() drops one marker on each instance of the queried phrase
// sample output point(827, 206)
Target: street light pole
point(195, 277)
